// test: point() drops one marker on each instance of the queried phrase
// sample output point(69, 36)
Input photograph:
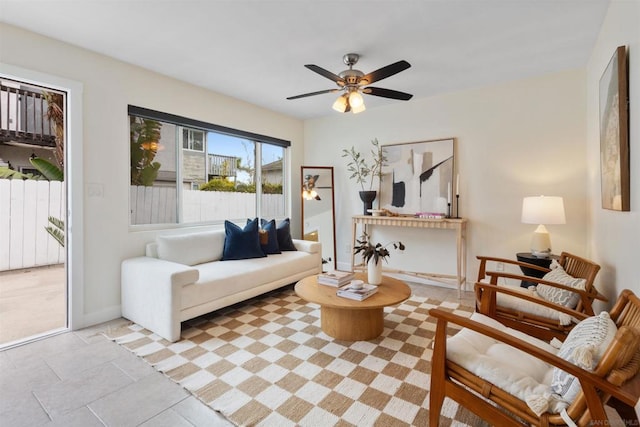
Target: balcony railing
point(220, 165)
point(23, 118)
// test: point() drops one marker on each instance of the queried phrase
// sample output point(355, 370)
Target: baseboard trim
point(104, 315)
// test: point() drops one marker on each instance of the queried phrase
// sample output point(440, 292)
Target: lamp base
point(541, 243)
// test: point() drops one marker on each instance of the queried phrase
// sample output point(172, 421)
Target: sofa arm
point(308, 246)
point(151, 293)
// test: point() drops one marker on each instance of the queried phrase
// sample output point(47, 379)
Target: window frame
point(205, 127)
point(190, 140)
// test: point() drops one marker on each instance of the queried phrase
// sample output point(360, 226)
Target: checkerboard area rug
point(266, 362)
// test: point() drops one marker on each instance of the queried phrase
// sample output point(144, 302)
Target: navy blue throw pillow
point(268, 241)
point(241, 243)
point(283, 231)
point(285, 243)
point(272, 246)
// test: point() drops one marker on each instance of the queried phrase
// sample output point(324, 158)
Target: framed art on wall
point(614, 134)
point(417, 177)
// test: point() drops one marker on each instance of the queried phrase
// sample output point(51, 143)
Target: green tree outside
point(144, 140)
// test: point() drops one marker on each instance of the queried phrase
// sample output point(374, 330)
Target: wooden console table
point(457, 224)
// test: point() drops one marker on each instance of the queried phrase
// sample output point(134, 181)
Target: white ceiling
point(256, 50)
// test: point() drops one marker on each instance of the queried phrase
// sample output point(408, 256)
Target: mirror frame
point(303, 173)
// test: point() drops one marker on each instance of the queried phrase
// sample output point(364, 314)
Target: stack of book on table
point(335, 278)
point(359, 293)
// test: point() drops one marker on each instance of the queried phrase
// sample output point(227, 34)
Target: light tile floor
point(83, 379)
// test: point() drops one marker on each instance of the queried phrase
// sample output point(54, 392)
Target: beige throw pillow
point(560, 296)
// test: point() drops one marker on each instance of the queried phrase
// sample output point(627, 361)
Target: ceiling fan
point(352, 83)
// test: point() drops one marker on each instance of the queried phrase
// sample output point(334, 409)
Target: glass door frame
point(74, 167)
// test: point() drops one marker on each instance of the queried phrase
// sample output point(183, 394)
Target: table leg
point(464, 255)
point(352, 325)
point(459, 261)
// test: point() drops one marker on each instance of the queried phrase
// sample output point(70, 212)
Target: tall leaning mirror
point(318, 213)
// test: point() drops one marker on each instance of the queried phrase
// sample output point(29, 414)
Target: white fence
point(25, 207)
point(157, 205)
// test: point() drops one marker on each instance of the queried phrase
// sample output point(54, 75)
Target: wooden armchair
point(620, 361)
point(523, 310)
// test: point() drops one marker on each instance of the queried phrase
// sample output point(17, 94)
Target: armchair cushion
point(524, 376)
point(512, 370)
point(520, 305)
point(560, 296)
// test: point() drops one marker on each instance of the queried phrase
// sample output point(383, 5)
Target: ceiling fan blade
point(326, 73)
point(387, 93)
point(320, 92)
point(384, 72)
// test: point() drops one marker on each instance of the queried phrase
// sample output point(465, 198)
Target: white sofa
point(182, 277)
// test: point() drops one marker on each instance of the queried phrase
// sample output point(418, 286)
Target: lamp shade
point(355, 99)
point(341, 104)
point(359, 109)
point(543, 210)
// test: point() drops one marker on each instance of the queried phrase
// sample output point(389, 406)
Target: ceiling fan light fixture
point(355, 99)
point(352, 82)
point(341, 104)
point(359, 109)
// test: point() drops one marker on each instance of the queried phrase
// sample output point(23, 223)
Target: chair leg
point(438, 360)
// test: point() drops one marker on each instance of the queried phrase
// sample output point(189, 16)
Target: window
point(186, 171)
point(193, 139)
point(272, 179)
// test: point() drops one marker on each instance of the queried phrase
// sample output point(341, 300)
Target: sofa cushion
point(241, 243)
point(285, 242)
point(191, 249)
point(561, 296)
point(220, 279)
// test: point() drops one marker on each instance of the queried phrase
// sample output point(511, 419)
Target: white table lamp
point(542, 210)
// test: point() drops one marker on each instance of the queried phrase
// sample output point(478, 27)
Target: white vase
point(374, 271)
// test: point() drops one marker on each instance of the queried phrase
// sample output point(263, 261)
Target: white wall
point(109, 86)
point(516, 139)
point(614, 238)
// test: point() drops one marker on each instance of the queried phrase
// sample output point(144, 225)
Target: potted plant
point(373, 254)
point(364, 171)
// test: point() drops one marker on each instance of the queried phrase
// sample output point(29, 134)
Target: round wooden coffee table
point(351, 320)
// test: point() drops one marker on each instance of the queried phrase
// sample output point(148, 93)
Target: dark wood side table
point(529, 258)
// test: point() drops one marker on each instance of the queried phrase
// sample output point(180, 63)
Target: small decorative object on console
point(364, 172)
point(335, 278)
point(431, 215)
